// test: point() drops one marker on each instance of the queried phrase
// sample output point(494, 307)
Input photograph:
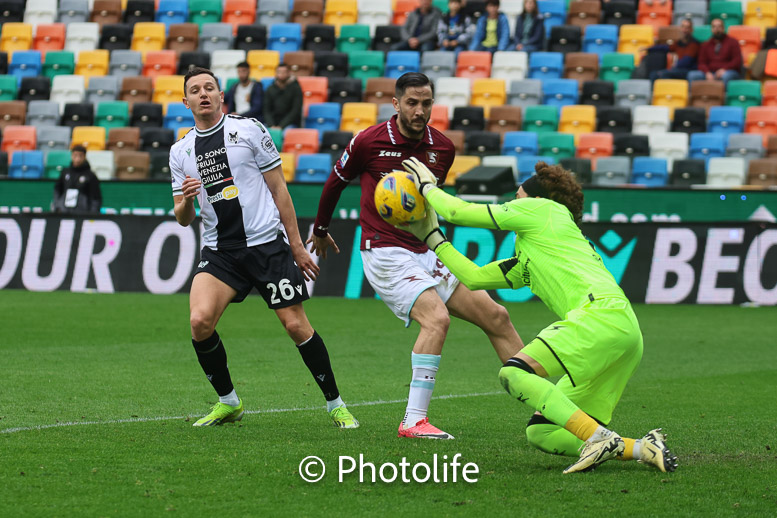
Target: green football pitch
point(98, 394)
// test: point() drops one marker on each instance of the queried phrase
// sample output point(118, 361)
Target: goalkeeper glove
point(422, 176)
point(426, 229)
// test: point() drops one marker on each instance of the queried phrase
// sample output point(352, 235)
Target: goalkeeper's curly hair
point(562, 187)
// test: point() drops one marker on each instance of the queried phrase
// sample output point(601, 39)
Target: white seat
point(82, 36)
point(671, 146)
point(375, 12)
point(40, 12)
point(452, 92)
point(102, 164)
point(511, 8)
point(224, 64)
point(509, 65)
point(726, 172)
point(502, 160)
point(649, 120)
point(67, 89)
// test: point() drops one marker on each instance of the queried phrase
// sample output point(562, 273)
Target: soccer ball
point(397, 199)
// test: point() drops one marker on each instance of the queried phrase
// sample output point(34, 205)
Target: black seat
point(468, 118)
point(35, 89)
point(193, 59)
point(598, 93)
point(159, 166)
point(11, 11)
point(250, 37)
point(3, 164)
point(483, 143)
point(139, 11)
point(386, 36)
point(690, 120)
point(78, 114)
point(579, 167)
point(627, 144)
point(116, 37)
point(474, 8)
point(334, 142)
point(770, 41)
point(613, 119)
point(688, 172)
point(145, 115)
point(156, 139)
point(565, 38)
point(619, 12)
point(331, 64)
point(319, 37)
point(3, 63)
point(345, 90)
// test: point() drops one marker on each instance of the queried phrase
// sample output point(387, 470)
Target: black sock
point(316, 358)
point(213, 360)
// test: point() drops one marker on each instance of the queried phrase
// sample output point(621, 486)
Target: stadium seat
point(745, 145)
point(399, 62)
point(726, 172)
point(160, 63)
point(452, 91)
point(91, 137)
point(706, 94)
point(503, 119)
point(502, 161)
point(749, 38)
point(669, 146)
point(726, 120)
point(654, 14)
point(482, 143)
point(527, 164)
point(125, 63)
point(436, 64)
point(565, 39)
point(250, 37)
point(374, 13)
point(42, 114)
point(650, 172)
point(559, 92)
point(92, 63)
point(598, 93)
point(146, 114)
point(546, 65)
point(689, 120)
point(760, 14)
point(315, 90)
point(707, 145)
point(270, 12)
point(340, 12)
point(300, 62)
point(672, 93)
point(769, 93)
point(8, 88)
point(353, 37)
point(461, 164)
point(651, 119)
point(688, 172)
point(730, 12)
point(633, 38)
point(584, 13)
point(285, 37)
point(694, 10)
point(300, 141)
point(540, 119)
point(132, 165)
point(612, 171)
point(593, 146)
point(577, 119)
point(78, 114)
point(205, 11)
point(468, 118)
point(73, 11)
point(82, 36)
point(365, 64)
point(345, 90)
point(457, 138)
point(770, 148)
point(25, 63)
point(557, 145)
point(440, 117)
point(386, 36)
point(189, 60)
point(224, 62)
point(183, 37)
point(401, 10)
point(156, 138)
point(630, 145)
point(15, 36)
point(112, 114)
point(508, 65)
point(102, 164)
point(488, 92)
point(313, 168)
point(319, 37)
point(106, 12)
point(216, 37)
point(334, 142)
point(139, 11)
point(358, 116)
point(115, 37)
point(743, 93)
point(579, 167)
point(323, 116)
point(613, 119)
point(67, 89)
point(19, 138)
point(633, 92)
point(288, 166)
point(761, 120)
point(123, 139)
point(170, 12)
point(527, 92)
point(601, 40)
point(34, 89)
point(26, 164)
point(331, 64)
point(619, 13)
point(762, 172)
point(554, 13)
point(671, 33)
point(263, 63)
point(616, 67)
point(51, 138)
point(55, 162)
point(307, 12)
point(379, 90)
point(49, 37)
point(770, 41)
point(243, 12)
point(520, 143)
point(581, 66)
point(148, 36)
point(40, 12)
point(167, 89)
point(12, 113)
point(473, 64)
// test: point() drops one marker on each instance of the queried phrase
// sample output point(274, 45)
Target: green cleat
point(343, 418)
point(222, 413)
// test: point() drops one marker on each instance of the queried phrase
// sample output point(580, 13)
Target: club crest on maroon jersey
point(431, 157)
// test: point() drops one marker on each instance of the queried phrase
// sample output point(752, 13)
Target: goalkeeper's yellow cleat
point(594, 453)
point(655, 453)
point(343, 418)
point(222, 413)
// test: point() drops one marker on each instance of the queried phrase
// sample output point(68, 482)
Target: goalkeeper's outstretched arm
point(461, 212)
point(492, 276)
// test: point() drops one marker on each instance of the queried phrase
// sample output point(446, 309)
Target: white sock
point(421, 387)
point(331, 405)
point(230, 399)
point(601, 434)
point(637, 452)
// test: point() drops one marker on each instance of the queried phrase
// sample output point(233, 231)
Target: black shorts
point(269, 267)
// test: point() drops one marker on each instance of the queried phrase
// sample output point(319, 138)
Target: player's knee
point(538, 433)
point(297, 329)
point(437, 322)
point(202, 325)
point(498, 318)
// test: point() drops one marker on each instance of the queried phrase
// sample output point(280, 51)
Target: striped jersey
point(236, 205)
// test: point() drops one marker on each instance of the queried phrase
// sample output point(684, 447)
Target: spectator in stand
point(719, 57)
point(244, 98)
point(420, 29)
point(492, 32)
point(686, 50)
point(530, 28)
point(283, 103)
point(78, 188)
point(455, 29)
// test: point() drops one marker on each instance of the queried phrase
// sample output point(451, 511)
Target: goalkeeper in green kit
point(596, 345)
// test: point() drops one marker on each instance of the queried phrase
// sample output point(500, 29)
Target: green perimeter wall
point(622, 205)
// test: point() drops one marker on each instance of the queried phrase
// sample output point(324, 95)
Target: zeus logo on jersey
point(227, 193)
point(383, 152)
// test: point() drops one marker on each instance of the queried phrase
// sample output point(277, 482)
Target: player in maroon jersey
point(409, 278)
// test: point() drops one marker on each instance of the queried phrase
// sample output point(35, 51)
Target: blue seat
point(554, 12)
point(285, 37)
point(559, 92)
point(399, 62)
point(313, 168)
point(178, 116)
point(600, 39)
point(520, 143)
point(171, 12)
point(726, 120)
point(26, 164)
point(25, 63)
point(707, 145)
point(266, 82)
point(546, 65)
point(323, 117)
point(651, 172)
point(526, 165)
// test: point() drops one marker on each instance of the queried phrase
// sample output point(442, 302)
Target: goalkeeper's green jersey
point(552, 257)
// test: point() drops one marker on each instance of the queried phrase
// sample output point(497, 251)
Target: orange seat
point(300, 141)
point(761, 120)
point(749, 39)
point(769, 94)
point(401, 10)
point(19, 138)
point(656, 15)
point(50, 36)
point(160, 63)
point(473, 64)
point(239, 12)
point(315, 90)
point(594, 145)
point(440, 118)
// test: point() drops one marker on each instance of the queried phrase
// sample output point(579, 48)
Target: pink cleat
point(423, 430)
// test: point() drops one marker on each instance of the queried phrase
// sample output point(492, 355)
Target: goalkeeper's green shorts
point(595, 350)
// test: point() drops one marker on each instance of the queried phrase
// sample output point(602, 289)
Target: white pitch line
point(267, 411)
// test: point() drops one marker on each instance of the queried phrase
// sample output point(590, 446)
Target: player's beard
point(411, 131)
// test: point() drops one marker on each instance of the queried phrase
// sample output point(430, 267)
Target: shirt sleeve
point(496, 275)
point(461, 212)
point(346, 169)
point(265, 153)
point(176, 172)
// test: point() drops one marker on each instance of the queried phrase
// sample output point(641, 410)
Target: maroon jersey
point(372, 154)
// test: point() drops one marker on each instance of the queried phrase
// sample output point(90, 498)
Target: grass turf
point(119, 361)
